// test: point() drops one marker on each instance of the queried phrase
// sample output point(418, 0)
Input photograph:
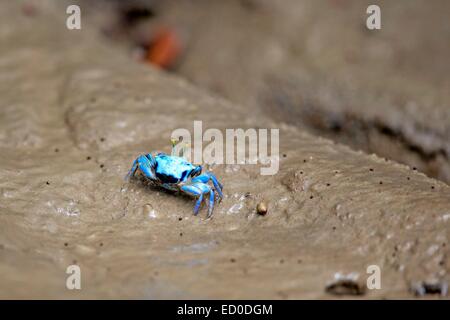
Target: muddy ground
point(315, 65)
point(76, 111)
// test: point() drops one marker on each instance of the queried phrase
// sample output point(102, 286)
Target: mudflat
point(75, 114)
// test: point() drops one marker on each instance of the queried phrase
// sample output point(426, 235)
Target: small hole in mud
point(232, 260)
point(133, 14)
point(65, 244)
point(102, 166)
point(311, 197)
point(180, 218)
point(281, 261)
point(101, 244)
point(301, 172)
point(88, 158)
point(408, 178)
point(432, 187)
point(56, 150)
point(328, 184)
point(336, 127)
point(304, 160)
point(334, 228)
point(414, 168)
point(371, 169)
point(423, 288)
point(284, 155)
point(345, 285)
point(299, 261)
point(102, 139)
point(381, 182)
point(47, 183)
point(181, 234)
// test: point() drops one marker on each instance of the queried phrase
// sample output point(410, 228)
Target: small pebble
point(261, 208)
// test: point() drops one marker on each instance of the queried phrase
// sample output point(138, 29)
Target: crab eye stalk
point(196, 171)
point(174, 142)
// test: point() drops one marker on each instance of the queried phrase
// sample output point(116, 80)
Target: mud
point(75, 112)
point(314, 64)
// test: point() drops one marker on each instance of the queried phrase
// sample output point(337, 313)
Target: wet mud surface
point(74, 115)
point(314, 64)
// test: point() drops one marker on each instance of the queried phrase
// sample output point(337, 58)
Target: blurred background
point(312, 64)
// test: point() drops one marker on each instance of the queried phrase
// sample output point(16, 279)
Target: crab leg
point(198, 203)
point(132, 170)
point(211, 203)
point(217, 185)
point(145, 164)
point(197, 192)
point(205, 177)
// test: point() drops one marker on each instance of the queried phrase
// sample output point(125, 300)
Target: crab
point(177, 174)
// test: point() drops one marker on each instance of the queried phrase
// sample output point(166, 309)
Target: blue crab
point(177, 174)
